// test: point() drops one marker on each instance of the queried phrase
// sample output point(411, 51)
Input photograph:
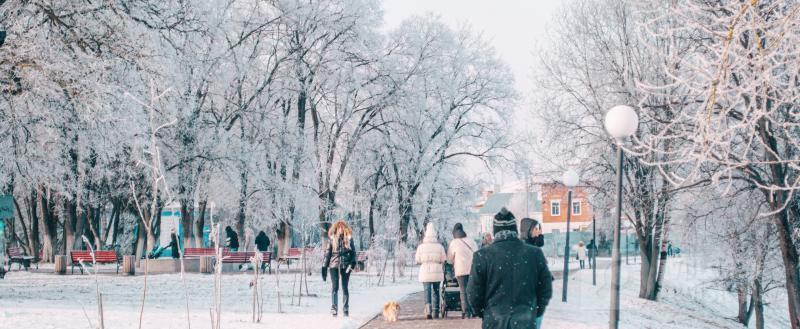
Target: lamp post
point(570, 179)
point(594, 251)
point(620, 122)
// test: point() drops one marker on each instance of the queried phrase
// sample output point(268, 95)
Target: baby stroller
point(451, 296)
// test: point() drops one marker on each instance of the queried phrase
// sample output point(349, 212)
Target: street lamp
point(570, 179)
point(593, 260)
point(620, 122)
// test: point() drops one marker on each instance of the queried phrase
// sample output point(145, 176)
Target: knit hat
point(504, 221)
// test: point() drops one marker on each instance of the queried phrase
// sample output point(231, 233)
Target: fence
point(554, 244)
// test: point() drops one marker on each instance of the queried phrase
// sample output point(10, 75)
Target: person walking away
point(509, 283)
point(590, 248)
point(581, 254)
point(262, 244)
point(531, 234)
point(459, 253)
point(340, 260)
point(431, 256)
point(231, 239)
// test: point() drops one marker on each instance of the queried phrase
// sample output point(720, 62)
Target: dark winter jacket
point(342, 257)
point(262, 242)
point(232, 240)
point(509, 284)
point(525, 231)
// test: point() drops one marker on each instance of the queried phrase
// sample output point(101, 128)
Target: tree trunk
point(49, 226)
point(759, 303)
point(790, 264)
point(744, 310)
point(187, 210)
point(406, 214)
point(140, 241)
point(242, 214)
point(200, 224)
point(69, 225)
point(33, 237)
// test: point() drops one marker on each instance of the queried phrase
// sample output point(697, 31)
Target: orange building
point(554, 208)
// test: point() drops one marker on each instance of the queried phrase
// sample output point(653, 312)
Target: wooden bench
point(16, 255)
point(191, 253)
point(245, 257)
point(294, 254)
point(361, 260)
point(85, 257)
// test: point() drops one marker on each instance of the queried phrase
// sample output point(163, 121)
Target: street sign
point(6, 207)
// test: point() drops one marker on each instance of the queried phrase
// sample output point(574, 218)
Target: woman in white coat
point(430, 255)
point(459, 253)
point(581, 251)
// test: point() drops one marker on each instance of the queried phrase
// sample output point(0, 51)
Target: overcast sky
point(515, 28)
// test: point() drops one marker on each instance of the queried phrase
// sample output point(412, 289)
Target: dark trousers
point(582, 263)
point(345, 277)
point(432, 296)
point(462, 288)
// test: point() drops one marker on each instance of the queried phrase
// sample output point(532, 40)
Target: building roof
point(499, 200)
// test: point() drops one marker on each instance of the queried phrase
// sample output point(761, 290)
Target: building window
point(555, 208)
point(576, 207)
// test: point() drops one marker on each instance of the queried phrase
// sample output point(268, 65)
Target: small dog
point(390, 311)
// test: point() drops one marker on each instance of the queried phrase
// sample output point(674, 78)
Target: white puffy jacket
point(459, 253)
point(431, 256)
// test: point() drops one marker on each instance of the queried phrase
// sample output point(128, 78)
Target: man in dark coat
point(232, 239)
point(510, 284)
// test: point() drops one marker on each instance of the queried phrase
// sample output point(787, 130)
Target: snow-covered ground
point(688, 300)
point(38, 300)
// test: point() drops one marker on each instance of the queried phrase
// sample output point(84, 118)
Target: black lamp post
point(620, 122)
point(570, 180)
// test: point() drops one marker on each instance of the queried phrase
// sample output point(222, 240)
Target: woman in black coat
point(340, 259)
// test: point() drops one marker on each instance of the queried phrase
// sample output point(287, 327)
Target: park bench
point(101, 257)
point(361, 260)
point(191, 253)
point(16, 255)
point(294, 254)
point(244, 257)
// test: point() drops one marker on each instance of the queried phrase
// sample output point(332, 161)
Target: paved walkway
point(412, 316)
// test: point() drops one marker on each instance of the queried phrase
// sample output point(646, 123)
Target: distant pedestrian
point(580, 250)
point(459, 253)
point(510, 284)
point(487, 240)
point(669, 248)
point(431, 257)
point(231, 239)
point(592, 249)
point(340, 260)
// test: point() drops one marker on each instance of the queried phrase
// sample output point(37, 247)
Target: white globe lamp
point(621, 121)
point(570, 178)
